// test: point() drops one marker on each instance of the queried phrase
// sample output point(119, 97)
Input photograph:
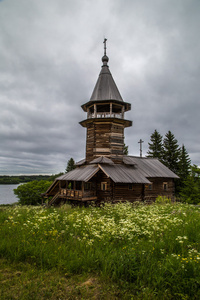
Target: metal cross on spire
point(140, 142)
point(104, 45)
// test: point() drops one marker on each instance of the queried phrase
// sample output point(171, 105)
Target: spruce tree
point(184, 163)
point(125, 151)
point(190, 193)
point(171, 152)
point(155, 146)
point(70, 165)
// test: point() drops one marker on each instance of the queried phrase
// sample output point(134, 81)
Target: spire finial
point(105, 57)
point(104, 45)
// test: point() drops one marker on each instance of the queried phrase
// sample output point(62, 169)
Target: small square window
point(150, 187)
point(165, 186)
point(103, 186)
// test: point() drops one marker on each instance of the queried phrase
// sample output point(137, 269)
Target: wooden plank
point(89, 199)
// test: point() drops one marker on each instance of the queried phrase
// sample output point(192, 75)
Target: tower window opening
point(103, 108)
point(91, 109)
point(116, 109)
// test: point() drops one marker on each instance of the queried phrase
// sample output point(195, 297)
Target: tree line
point(177, 159)
point(6, 179)
point(168, 151)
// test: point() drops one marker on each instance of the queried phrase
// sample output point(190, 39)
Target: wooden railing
point(105, 115)
point(77, 194)
point(73, 195)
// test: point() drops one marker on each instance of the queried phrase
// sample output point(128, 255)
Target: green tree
point(190, 193)
point(184, 163)
point(70, 165)
point(171, 152)
point(30, 193)
point(125, 151)
point(155, 146)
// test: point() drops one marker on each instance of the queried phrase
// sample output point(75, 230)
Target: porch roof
point(83, 173)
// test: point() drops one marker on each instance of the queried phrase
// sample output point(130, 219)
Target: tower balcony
point(105, 110)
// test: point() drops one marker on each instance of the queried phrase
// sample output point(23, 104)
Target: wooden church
point(106, 174)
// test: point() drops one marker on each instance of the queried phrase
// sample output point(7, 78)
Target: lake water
point(7, 195)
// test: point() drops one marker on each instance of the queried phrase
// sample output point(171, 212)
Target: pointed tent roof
point(105, 88)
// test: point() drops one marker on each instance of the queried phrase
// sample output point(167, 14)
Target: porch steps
point(53, 199)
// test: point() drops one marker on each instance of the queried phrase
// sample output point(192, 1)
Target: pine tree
point(155, 146)
point(171, 152)
point(70, 165)
point(184, 163)
point(190, 193)
point(125, 151)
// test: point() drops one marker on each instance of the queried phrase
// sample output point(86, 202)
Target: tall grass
point(152, 250)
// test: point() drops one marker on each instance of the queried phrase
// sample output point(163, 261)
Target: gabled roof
point(81, 162)
point(84, 173)
point(134, 170)
point(118, 173)
point(105, 88)
point(102, 160)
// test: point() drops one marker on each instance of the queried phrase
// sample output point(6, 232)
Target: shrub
point(30, 193)
point(163, 200)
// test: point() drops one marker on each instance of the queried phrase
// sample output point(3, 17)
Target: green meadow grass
point(111, 252)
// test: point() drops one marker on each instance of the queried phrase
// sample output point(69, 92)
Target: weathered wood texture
point(113, 191)
point(159, 187)
point(128, 192)
point(103, 195)
point(105, 139)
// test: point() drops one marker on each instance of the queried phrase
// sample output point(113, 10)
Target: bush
point(30, 193)
point(163, 200)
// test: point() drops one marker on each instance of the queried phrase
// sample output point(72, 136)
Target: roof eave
point(126, 123)
point(126, 105)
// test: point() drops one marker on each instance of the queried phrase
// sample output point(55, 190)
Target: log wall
point(158, 188)
point(123, 192)
point(105, 139)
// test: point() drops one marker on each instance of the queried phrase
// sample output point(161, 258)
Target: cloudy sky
point(50, 59)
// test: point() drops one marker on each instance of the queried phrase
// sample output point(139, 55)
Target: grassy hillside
point(113, 252)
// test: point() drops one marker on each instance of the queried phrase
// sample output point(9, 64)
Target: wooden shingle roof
point(133, 170)
point(105, 88)
point(149, 167)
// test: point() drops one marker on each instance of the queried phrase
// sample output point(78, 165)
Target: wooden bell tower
point(105, 121)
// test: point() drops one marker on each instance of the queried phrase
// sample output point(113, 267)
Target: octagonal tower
point(105, 121)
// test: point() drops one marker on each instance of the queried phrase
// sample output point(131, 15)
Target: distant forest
point(4, 179)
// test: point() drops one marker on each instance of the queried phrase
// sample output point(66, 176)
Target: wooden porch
point(76, 195)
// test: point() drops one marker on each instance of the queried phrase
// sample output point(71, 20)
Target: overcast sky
point(50, 59)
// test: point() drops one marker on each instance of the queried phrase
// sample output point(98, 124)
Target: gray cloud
point(50, 60)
